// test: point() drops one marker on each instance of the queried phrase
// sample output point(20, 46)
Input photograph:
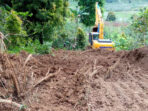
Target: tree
point(111, 16)
point(13, 27)
point(89, 7)
point(46, 15)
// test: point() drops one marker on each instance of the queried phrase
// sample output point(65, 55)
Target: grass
point(125, 15)
point(124, 11)
point(122, 16)
point(135, 6)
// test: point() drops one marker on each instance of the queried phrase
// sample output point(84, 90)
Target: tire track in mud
point(115, 96)
point(129, 95)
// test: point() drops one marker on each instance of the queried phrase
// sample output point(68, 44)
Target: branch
point(14, 77)
point(42, 80)
point(27, 59)
point(11, 103)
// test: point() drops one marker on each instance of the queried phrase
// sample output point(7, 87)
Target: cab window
point(95, 37)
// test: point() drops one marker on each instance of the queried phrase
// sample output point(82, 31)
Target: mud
point(91, 80)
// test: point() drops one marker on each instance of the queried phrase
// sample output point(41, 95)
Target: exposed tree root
point(14, 78)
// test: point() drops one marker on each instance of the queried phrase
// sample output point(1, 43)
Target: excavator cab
point(95, 42)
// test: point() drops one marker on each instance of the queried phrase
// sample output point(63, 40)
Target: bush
point(111, 16)
point(119, 37)
point(43, 49)
point(81, 40)
point(33, 47)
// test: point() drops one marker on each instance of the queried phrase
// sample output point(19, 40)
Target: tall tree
point(46, 15)
point(88, 10)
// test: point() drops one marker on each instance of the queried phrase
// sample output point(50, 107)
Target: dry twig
point(2, 44)
point(11, 103)
point(86, 51)
point(42, 80)
point(27, 59)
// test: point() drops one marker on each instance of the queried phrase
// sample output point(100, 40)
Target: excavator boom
point(99, 24)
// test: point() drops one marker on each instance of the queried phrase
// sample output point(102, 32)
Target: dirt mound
point(75, 81)
point(139, 57)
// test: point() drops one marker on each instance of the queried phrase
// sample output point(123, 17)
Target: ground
point(91, 80)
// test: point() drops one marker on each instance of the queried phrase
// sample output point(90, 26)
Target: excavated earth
point(91, 80)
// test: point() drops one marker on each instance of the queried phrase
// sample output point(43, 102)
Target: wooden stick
point(42, 80)
point(27, 59)
point(14, 78)
point(95, 64)
point(86, 51)
point(11, 103)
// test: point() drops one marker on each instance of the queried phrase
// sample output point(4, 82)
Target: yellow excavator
point(96, 37)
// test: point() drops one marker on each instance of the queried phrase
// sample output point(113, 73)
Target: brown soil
point(91, 80)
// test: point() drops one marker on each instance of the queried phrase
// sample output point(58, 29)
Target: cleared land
point(91, 80)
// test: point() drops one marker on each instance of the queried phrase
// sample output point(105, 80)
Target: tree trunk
point(41, 38)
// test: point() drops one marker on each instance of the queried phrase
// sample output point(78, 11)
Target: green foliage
point(65, 36)
point(13, 23)
point(133, 36)
point(140, 23)
point(43, 15)
point(124, 42)
point(121, 40)
point(89, 7)
point(46, 16)
point(13, 27)
point(33, 47)
point(81, 41)
point(111, 16)
point(6, 4)
point(43, 49)
point(138, 29)
point(3, 16)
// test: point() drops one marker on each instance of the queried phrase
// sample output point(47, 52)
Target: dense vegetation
point(132, 32)
point(87, 10)
point(38, 25)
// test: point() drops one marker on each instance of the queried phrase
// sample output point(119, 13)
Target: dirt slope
point(92, 80)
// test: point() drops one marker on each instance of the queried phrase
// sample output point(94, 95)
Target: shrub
point(33, 47)
point(81, 40)
point(111, 16)
point(43, 49)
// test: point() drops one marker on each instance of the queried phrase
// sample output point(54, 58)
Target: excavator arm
point(99, 23)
